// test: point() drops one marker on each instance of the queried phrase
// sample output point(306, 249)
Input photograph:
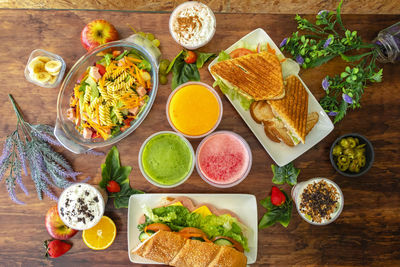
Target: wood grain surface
point(367, 233)
point(233, 6)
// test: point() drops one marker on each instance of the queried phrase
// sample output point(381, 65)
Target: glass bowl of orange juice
point(194, 109)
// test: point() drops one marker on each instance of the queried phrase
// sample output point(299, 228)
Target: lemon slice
point(101, 236)
point(52, 66)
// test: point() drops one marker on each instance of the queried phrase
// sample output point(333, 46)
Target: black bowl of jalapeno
point(352, 155)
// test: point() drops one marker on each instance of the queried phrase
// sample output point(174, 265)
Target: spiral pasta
point(105, 116)
point(88, 92)
point(104, 92)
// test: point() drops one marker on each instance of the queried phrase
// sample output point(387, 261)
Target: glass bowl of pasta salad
point(107, 94)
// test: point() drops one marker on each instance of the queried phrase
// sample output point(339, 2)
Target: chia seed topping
point(319, 200)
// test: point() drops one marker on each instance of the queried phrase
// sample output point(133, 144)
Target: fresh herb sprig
point(112, 170)
point(285, 174)
point(29, 145)
point(325, 40)
point(276, 213)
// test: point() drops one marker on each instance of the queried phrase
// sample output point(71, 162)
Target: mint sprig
point(281, 214)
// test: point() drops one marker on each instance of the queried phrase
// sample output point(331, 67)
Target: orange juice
point(194, 109)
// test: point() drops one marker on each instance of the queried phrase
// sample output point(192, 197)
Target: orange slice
point(101, 236)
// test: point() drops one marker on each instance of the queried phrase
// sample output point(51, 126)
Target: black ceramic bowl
point(369, 155)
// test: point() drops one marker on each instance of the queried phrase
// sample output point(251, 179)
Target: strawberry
point(190, 57)
point(277, 197)
point(55, 248)
point(113, 187)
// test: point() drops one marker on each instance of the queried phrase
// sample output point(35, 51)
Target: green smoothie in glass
point(166, 159)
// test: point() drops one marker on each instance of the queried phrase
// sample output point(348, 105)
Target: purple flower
point(323, 12)
point(46, 138)
point(325, 83)
point(11, 193)
point(332, 113)
point(347, 98)
point(327, 42)
point(21, 185)
point(283, 43)
point(6, 151)
point(22, 155)
point(300, 59)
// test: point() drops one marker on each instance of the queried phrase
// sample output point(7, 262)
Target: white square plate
point(244, 205)
point(279, 152)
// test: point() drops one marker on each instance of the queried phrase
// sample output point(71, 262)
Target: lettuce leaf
point(233, 94)
point(178, 217)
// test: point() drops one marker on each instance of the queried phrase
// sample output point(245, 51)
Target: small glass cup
point(152, 181)
point(298, 189)
point(216, 97)
point(237, 181)
point(43, 53)
point(195, 5)
point(74, 190)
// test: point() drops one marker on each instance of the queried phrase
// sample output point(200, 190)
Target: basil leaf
point(202, 58)
point(269, 219)
point(223, 56)
point(183, 72)
point(266, 203)
point(112, 170)
point(286, 174)
point(173, 62)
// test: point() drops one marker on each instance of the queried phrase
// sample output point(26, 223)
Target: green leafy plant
point(274, 214)
point(112, 170)
point(325, 40)
point(183, 72)
point(286, 174)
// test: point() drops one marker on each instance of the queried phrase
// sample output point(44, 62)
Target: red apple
point(98, 32)
point(56, 227)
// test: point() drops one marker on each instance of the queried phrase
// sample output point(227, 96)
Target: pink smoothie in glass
point(223, 158)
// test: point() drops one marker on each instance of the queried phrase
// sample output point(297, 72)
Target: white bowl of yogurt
point(319, 201)
point(81, 206)
point(192, 24)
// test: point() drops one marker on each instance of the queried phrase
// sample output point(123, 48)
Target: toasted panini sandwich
point(286, 119)
point(256, 76)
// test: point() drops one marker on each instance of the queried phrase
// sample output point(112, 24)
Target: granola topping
point(319, 201)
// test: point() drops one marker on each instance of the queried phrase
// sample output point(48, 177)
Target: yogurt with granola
point(81, 206)
point(319, 201)
point(192, 24)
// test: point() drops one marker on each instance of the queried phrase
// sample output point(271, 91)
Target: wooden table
point(366, 233)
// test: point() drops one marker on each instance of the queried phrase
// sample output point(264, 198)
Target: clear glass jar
point(388, 41)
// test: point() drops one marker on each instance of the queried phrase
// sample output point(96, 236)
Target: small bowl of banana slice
point(44, 68)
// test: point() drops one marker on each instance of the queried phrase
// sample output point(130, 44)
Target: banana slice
point(54, 73)
point(36, 66)
point(52, 79)
point(42, 77)
point(44, 59)
point(53, 66)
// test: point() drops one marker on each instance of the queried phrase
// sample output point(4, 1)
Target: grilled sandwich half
point(286, 119)
point(255, 76)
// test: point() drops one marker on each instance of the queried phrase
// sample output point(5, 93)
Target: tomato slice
point(240, 52)
point(157, 227)
point(101, 68)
